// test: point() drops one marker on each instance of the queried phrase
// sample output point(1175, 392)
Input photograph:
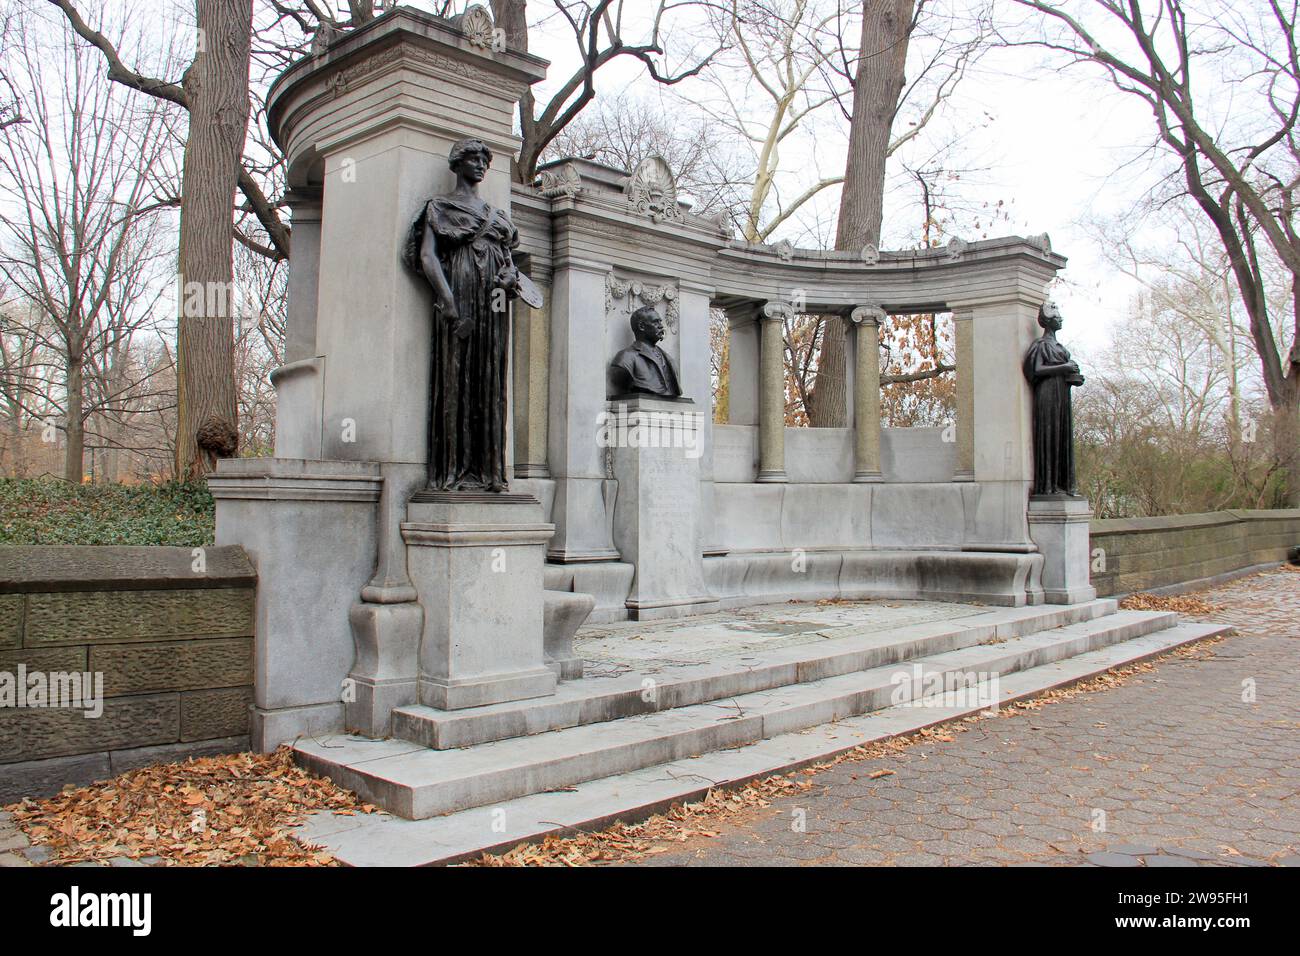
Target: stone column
point(1001, 417)
point(742, 362)
point(866, 392)
point(771, 392)
point(583, 505)
point(963, 322)
point(299, 381)
point(531, 358)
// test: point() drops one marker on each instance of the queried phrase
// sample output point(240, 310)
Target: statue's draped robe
point(467, 383)
point(1053, 419)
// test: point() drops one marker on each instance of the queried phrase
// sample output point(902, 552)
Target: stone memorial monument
point(494, 418)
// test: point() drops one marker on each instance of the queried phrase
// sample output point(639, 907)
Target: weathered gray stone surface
point(175, 665)
point(40, 778)
point(88, 617)
point(208, 714)
point(1142, 554)
point(121, 568)
point(145, 720)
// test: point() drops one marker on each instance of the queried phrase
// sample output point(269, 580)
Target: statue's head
point(648, 325)
point(1049, 316)
point(470, 158)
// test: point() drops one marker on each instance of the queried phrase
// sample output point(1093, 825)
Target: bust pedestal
point(1059, 525)
point(476, 561)
point(656, 445)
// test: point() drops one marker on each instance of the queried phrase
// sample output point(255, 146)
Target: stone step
point(596, 699)
point(416, 782)
point(381, 840)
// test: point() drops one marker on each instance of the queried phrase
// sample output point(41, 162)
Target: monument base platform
point(755, 684)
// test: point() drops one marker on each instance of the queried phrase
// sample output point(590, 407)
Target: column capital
point(867, 314)
point(775, 310)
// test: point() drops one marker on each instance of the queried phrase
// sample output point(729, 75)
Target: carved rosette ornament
point(629, 295)
point(476, 23)
point(652, 191)
point(957, 247)
point(563, 181)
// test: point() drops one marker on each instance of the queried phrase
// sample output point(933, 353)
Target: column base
point(447, 694)
point(387, 638)
point(863, 477)
point(772, 477)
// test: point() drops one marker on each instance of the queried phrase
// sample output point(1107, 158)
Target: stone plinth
point(656, 446)
point(476, 561)
point(1059, 526)
point(310, 529)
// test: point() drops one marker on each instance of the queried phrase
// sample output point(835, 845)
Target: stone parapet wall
point(168, 630)
point(1142, 554)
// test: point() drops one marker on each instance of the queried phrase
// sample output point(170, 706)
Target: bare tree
point(73, 245)
point(1241, 166)
point(602, 33)
point(621, 130)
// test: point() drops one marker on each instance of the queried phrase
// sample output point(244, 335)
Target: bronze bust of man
point(644, 368)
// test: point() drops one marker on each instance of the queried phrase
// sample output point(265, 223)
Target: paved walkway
point(1171, 768)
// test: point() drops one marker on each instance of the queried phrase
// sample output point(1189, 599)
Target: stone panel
point(45, 659)
point(176, 665)
point(44, 778)
point(29, 734)
point(122, 760)
point(11, 620)
point(207, 714)
point(111, 617)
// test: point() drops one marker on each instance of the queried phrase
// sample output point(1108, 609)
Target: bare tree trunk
point(1286, 443)
point(886, 26)
point(74, 451)
point(216, 86)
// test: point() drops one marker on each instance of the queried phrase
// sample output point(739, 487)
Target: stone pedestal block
point(1059, 526)
point(387, 638)
point(477, 563)
point(563, 615)
point(656, 446)
point(310, 529)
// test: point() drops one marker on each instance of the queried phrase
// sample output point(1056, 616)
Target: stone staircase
point(604, 728)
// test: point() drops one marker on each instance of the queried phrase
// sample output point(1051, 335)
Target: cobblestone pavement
point(1171, 768)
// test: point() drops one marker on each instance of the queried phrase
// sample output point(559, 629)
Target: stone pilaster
point(866, 393)
point(771, 392)
point(531, 360)
point(965, 419)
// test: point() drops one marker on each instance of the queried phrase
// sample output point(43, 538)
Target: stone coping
point(26, 569)
point(1177, 522)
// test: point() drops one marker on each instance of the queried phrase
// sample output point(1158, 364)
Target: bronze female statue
point(1052, 374)
point(462, 246)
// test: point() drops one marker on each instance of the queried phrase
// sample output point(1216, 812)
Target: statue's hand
point(446, 305)
point(508, 279)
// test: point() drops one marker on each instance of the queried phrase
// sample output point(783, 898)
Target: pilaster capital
point(775, 310)
point(867, 315)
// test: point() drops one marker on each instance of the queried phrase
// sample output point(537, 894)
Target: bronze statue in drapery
point(1052, 373)
point(463, 247)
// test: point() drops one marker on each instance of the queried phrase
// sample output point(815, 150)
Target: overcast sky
point(1062, 148)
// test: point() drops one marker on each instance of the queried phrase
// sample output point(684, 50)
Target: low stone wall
point(1143, 554)
point(168, 631)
